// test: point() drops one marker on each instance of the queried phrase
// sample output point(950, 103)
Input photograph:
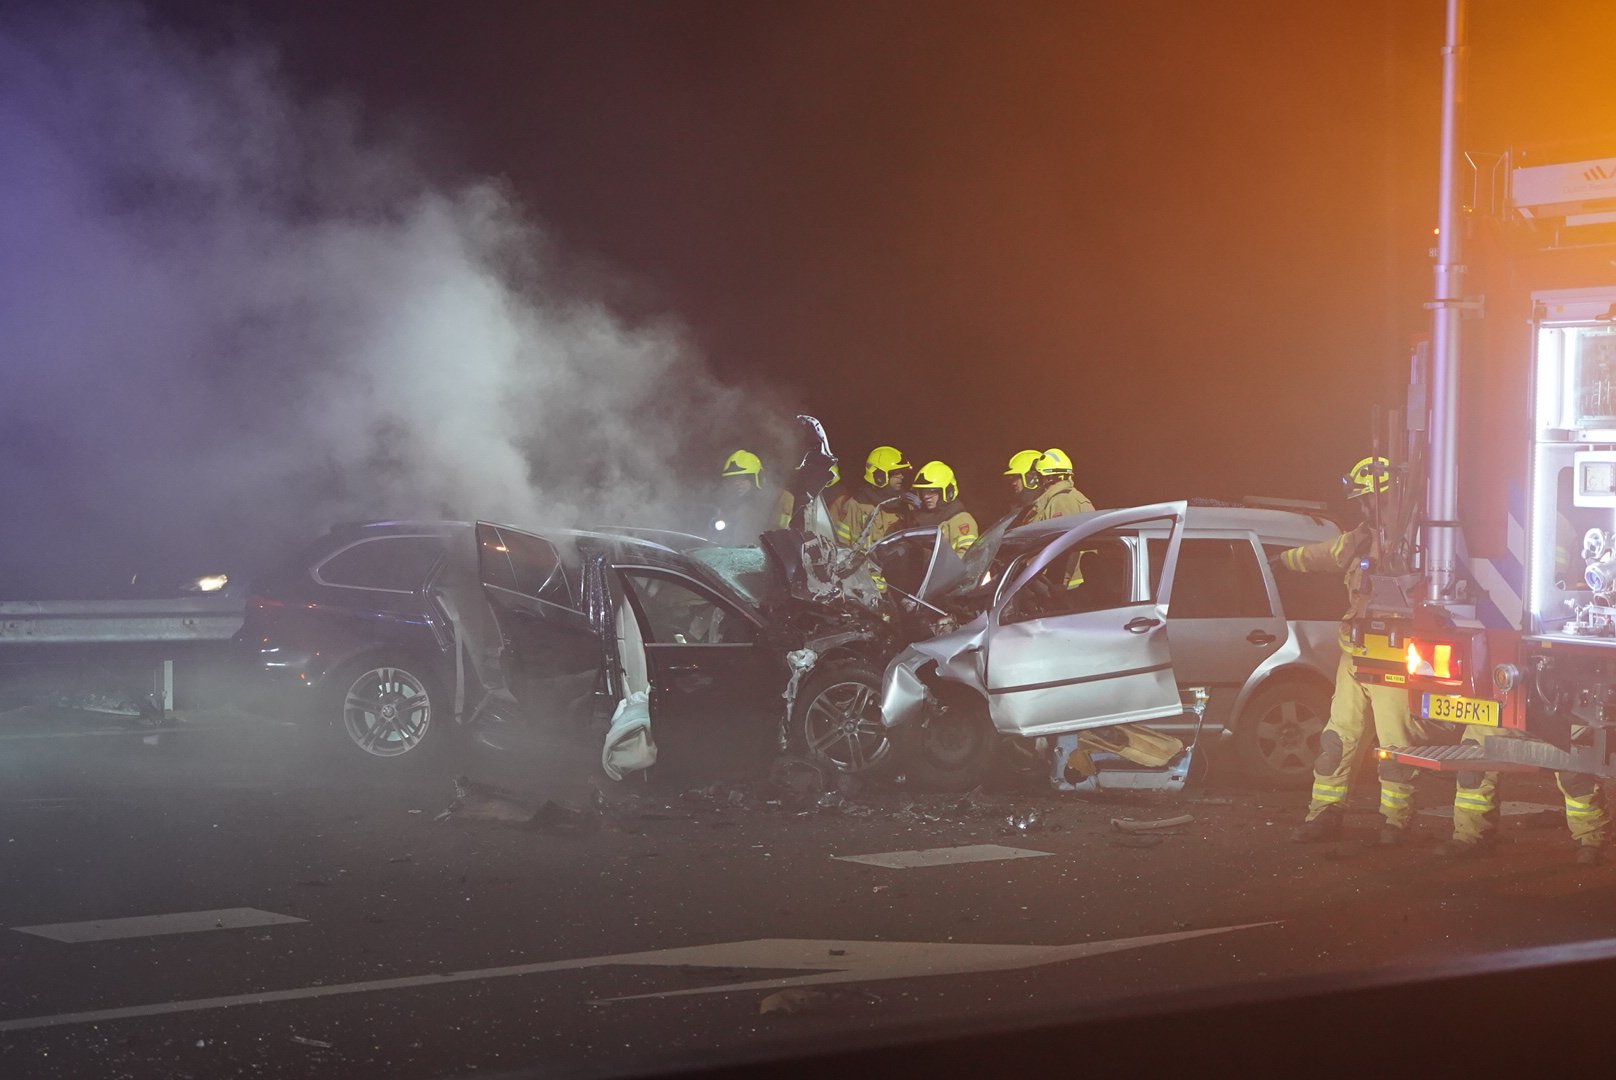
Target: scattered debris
point(554, 817)
point(301, 1041)
point(476, 801)
point(797, 776)
point(798, 1000)
point(1130, 825)
point(1025, 821)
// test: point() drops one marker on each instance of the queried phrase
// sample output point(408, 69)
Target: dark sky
point(1185, 241)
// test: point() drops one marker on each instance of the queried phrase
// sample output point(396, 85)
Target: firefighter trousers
point(1348, 737)
point(1475, 803)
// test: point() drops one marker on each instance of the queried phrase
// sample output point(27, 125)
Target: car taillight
point(1435, 661)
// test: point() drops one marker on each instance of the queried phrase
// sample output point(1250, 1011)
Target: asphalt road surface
point(239, 897)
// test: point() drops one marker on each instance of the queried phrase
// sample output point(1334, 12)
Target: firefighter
point(786, 503)
point(1023, 475)
point(886, 474)
point(743, 509)
point(1346, 735)
point(1057, 495)
point(940, 506)
point(1475, 812)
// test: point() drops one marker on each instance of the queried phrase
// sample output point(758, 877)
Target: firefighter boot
point(1590, 854)
point(1322, 828)
point(1460, 850)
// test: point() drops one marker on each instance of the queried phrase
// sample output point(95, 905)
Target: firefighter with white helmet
point(1355, 705)
point(940, 507)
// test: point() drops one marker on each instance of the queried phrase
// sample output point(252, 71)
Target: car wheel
point(390, 708)
point(836, 719)
point(1276, 738)
point(954, 749)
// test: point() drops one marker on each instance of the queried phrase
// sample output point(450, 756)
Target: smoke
point(230, 316)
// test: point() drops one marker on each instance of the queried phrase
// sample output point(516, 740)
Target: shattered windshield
point(743, 569)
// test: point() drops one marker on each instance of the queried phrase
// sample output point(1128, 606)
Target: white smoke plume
point(229, 317)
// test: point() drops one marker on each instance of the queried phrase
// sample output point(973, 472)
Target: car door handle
point(1261, 637)
point(1141, 624)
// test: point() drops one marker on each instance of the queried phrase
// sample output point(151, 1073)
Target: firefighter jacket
point(1056, 500)
point(784, 504)
point(855, 512)
point(959, 527)
point(1346, 554)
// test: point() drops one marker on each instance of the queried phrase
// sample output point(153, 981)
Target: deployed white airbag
point(629, 747)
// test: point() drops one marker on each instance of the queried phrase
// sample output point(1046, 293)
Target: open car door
point(1079, 638)
point(715, 688)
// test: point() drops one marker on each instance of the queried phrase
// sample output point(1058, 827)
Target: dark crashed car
point(396, 633)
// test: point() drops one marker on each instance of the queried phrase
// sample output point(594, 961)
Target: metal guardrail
point(104, 622)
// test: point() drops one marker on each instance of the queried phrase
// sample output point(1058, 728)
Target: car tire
point(1276, 737)
point(389, 709)
point(955, 748)
point(836, 719)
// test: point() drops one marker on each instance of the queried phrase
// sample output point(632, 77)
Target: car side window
point(1216, 579)
point(1097, 576)
point(389, 563)
point(537, 568)
point(679, 615)
point(522, 563)
point(1307, 597)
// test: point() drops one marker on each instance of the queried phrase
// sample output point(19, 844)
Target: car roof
point(1274, 525)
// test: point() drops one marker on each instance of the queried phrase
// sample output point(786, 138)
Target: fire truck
point(1494, 602)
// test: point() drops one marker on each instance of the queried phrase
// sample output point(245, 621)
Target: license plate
point(1459, 710)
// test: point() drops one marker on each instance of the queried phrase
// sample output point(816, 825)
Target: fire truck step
point(1455, 757)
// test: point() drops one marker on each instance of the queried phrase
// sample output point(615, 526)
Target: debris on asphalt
point(556, 817)
point(797, 1000)
point(301, 1041)
point(1136, 840)
point(797, 776)
point(1025, 821)
point(832, 802)
point(476, 801)
point(1130, 825)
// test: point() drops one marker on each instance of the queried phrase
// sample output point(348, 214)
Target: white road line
point(849, 961)
point(103, 733)
point(183, 922)
point(942, 856)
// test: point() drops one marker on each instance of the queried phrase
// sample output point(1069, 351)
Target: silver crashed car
point(1171, 596)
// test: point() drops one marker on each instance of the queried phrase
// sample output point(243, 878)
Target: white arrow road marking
point(873, 961)
point(183, 922)
point(864, 961)
point(942, 856)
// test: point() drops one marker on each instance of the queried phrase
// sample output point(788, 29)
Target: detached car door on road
point(1064, 654)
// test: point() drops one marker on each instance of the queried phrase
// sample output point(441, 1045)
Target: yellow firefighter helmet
point(935, 476)
point(882, 463)
point(1371, 476)
point(1055, 462)
point(745, 463)
point(1023, 464)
